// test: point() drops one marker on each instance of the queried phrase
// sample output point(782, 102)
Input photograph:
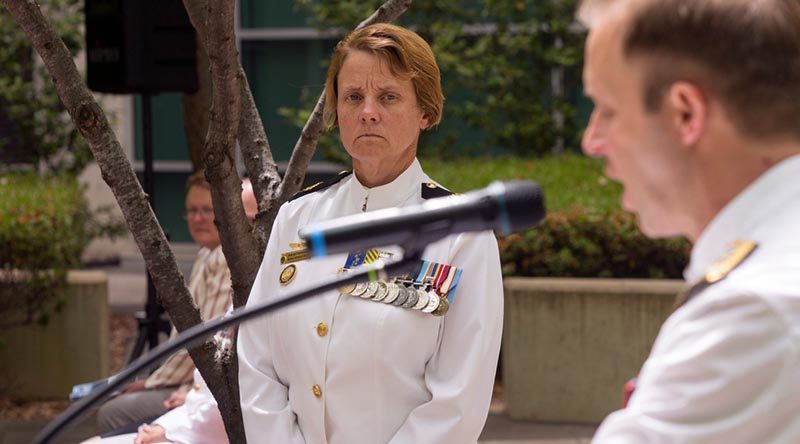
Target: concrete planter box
point(569, 345)
point(45, 362)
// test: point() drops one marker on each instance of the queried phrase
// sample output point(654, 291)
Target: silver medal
point(423, 300)
point(372, 288)
point(391, 295)
point(402, 297)
point(432, 303)
point(383, 290)
point(361, 287)
point(413, 298)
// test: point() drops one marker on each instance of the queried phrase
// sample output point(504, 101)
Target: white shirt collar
point(744, 217)
point(392, 194)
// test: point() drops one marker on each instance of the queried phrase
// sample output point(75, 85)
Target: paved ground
point(498, 430)
point(127, 294)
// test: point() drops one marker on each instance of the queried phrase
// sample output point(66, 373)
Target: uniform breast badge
point(288, 274)
point(298, 252)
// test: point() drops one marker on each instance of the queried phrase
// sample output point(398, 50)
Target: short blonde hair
point(197, 179)
point(409, 57)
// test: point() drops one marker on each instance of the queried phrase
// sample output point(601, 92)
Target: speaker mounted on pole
point(140, 47)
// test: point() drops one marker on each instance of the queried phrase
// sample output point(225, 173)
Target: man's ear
point(689, 111)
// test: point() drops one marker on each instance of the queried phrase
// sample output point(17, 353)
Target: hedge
point(585, 233)
point(44, 227)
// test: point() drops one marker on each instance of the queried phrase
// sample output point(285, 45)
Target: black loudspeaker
point(139, 47)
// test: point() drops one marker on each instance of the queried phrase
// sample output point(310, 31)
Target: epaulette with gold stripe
point(319, 186)
point(431, 191)
point(718, 270)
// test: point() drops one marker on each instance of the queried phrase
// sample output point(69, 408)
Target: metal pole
point(153, 308)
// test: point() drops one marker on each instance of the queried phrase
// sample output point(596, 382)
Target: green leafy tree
point(510, 69)
point(28, 98)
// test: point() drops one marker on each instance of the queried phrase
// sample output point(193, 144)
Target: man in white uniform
point(359, 366)
point(697, 114)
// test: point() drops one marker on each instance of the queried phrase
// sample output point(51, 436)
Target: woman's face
point(378, 115)
point(200, 217)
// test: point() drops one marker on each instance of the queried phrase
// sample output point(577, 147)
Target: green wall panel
point(271, 14)
point(169, 139)
point(285, 73)
point(170, 194)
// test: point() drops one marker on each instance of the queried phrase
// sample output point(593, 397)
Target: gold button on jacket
point(316, 390)
point(322, 329)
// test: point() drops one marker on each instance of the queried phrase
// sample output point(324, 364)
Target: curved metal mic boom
point(513, 205)
point(196, 334)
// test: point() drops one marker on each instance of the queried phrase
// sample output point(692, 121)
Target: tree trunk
point(233, 116)
point(195, 109)
point(118, 174)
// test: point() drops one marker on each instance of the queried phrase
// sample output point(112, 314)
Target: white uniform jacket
point(344, 370)
point(725, 367)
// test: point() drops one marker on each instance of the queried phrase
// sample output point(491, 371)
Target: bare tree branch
point(237, 239)
point(307, 143)
point(387, 12)
point(195, 109)
point(259, 163)
point(253, 141)
point(220, 169)
point(117, 173)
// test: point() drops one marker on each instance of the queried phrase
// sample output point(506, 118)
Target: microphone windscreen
point(524, 204)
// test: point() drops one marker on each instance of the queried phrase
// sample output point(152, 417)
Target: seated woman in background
point(192, 416)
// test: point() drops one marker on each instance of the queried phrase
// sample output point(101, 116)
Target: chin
point(657, 226)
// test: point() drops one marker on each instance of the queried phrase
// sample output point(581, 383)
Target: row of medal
point(429, 292)
point(401, 294)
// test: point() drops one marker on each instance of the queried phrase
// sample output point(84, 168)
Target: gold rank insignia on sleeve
point(740, 250)
point(430, 190)
point(319, 186)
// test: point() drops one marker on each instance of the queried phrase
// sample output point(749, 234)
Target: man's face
point(200, 217)
point(639, 149)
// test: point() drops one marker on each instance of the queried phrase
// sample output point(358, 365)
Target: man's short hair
point(746, 52)
point(197, 179)
point(409, 57)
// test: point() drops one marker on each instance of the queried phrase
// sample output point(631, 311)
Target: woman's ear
point(689, 111)
point(424, 121)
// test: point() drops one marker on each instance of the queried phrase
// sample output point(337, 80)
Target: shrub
point(510, 70)
point(580, 243)
point(40, 131)
point(45, 225)
point(585, 233)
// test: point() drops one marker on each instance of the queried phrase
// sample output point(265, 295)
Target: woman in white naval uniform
point(341, 369)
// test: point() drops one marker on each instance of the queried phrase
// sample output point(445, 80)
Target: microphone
point(504, 207)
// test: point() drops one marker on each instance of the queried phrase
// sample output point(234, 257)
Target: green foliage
point(567, 180)
point(28, 96)
point(45, 225)
point(500, 60)
point(329, 144)
point(585, 233)
point(579, 243)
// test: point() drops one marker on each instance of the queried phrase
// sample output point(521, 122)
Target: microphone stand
point(196, 334)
